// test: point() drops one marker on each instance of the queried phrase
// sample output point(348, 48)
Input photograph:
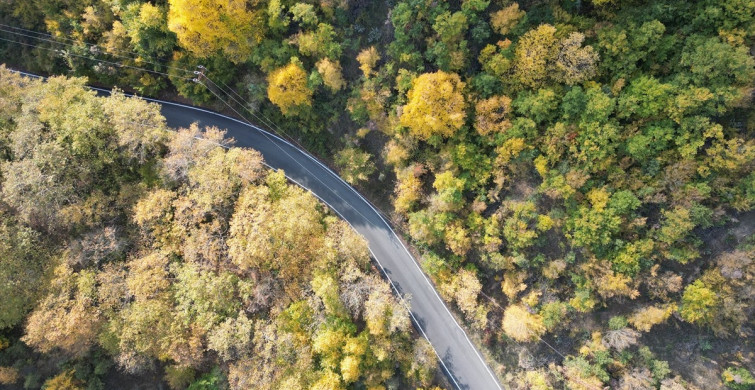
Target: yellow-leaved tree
point(534, 52)
point(331, 74)
point(492, 115)
point(521, 325)
point(287, 88)
point(368, 58)
point(436, 105)
point(464, 288)
point(507, 18)
point(205, 27)
point(408, 189)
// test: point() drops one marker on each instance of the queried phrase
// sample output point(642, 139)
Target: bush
point(8, 375)
point(738, 378)
point(355, 165)
point(214, 380)
point(178, 377)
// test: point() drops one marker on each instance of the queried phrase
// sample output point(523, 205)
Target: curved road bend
point(459, 358)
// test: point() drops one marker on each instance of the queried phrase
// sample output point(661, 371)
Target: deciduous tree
point(408, 189)
point(331, 74)
point(575, 63)
point(506, 19)
point(320, 43)
point(22, 267)
point(521, 325)
point(205, 28)
point(534, 52)
point(367, 59)
point(355, 164)
point(287, 89)
point(492, 115)
point(464, 289)
point(67, 318)
point(435, 105)
point(699, 303)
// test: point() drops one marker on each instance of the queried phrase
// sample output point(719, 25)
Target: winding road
point(458, 356)
point(460, 359)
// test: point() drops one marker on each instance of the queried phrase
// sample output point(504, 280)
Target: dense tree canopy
point(563, 169)
point(168, 252)
point(205, 27)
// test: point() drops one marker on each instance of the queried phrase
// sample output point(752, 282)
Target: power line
point(198, 80)
point(402, 298)
point(233, 95)
point(246, 105)
point(75, 43)
point(284, 151)
point(271, 124)
point(237, 99)
point(66, 53)
point(267, 121)
point(38, 32)
point(86, 46)
point(203, 76)
point(139, 124)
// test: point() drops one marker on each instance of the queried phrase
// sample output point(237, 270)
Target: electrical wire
point(76, 43)
point(401, 297)
point(237, 101)
point(268, 122)
point(197, 80)
point(285, 152)
point(202, 75)
point(232, 95)
point(245, 105)
point(225, 90)
point(65, 53)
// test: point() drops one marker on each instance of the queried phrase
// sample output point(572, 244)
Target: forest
point(575, 176)
point(125, 245)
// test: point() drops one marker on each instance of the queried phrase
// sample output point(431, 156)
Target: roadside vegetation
point(568, 171)
point(127, 250)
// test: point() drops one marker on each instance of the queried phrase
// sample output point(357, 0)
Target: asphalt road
point(458, 357)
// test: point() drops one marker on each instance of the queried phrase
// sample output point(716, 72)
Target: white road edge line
point(401, 298)
point(395, 236)
point(415, 262)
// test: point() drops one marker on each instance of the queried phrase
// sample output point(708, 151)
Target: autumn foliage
point(201, 256)
point(586, 166)
point(435, 105)
point(287, 88)
point(204, 27)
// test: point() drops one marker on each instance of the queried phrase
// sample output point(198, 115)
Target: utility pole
point(199, 73)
